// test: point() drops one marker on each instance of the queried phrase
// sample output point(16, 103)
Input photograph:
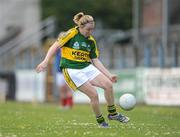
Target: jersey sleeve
point(66, 36)
point(94, 50)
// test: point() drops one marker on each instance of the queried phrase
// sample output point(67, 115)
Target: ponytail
point(77, 18)
point(81, 19)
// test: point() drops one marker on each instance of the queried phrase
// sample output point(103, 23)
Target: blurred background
point(138, 40)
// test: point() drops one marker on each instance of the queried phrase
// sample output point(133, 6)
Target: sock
point(100, 119)
point(112, 110)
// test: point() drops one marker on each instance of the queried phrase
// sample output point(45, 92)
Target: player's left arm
point(98, 64)
point(94, 54)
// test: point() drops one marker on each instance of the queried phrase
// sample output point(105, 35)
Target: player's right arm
point(52, 50)
point(61, 41)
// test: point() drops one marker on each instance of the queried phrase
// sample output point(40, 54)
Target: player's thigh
point(88, 89)
point(101, 81)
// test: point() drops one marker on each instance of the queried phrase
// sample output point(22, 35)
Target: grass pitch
point(47, 120)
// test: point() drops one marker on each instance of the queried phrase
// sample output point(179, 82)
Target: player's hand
point(41, 67)
point(114, 78)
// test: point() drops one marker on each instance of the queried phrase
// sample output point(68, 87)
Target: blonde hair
point(81, 19)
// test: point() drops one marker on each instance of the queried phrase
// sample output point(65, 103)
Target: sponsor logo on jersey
point(76, 45)
point(84, 44)
point(75, 55)
point(80, 55)
point(88, 48)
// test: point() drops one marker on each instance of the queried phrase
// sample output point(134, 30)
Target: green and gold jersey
point(76, 50)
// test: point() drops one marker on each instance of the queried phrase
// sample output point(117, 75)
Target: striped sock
point(100, 119)
point(112, 110)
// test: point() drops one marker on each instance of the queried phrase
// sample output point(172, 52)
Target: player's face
point(88, 29)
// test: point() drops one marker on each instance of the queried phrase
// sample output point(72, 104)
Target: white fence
point(151, 86)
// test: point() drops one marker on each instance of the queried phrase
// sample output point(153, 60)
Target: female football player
point(82, 69)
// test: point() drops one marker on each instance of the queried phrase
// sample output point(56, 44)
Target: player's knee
point(94, 97)
point(108, 85)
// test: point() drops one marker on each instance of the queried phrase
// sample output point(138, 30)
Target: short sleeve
point(66, 36)
point(94, 50)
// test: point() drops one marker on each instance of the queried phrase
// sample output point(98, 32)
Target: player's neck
point(83, 33)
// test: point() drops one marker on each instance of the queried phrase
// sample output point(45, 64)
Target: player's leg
point(90, 91)
point(103, 82)
point(76, 78)
point(96, 78)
